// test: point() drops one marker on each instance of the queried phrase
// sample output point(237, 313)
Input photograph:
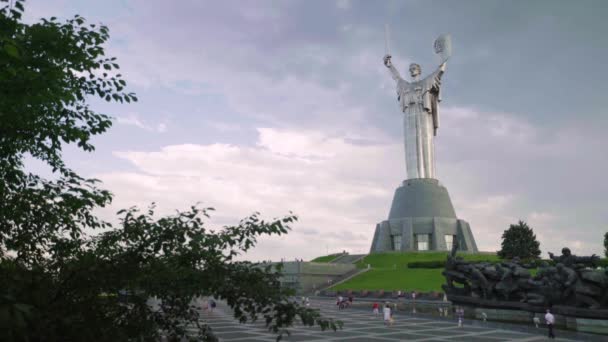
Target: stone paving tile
point(341, 334)
point(360, 326)
point(470, 329)
point(475, 338)
point(229, 328)
point(452, 331)
point(303, 338)
point(357, 326)
point(232, 335)
point(403, 336)
point(438, 324)
point(417, 327)
point(381, 330)
point(365, 339)
point(507, 335)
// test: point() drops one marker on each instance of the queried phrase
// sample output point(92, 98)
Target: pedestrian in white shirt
point(550, 319)
point(387, 314)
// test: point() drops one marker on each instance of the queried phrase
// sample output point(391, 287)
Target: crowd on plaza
point(388, 312)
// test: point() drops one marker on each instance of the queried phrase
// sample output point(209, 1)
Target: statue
point(419, 102)
point(572, 286)
point(570, 260)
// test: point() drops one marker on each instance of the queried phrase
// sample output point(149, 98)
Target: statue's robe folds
point(419, 103)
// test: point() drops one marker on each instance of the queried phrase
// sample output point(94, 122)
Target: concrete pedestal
point(421, 216)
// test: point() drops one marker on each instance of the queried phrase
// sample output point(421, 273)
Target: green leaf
point(11, 50)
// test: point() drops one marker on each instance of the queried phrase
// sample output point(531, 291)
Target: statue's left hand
point(387, 60)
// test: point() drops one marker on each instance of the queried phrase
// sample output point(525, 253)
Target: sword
point(386, 39)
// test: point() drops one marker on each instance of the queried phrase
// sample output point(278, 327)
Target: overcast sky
point(279, 106)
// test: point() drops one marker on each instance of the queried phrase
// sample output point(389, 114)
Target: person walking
point(376, 309)
point(550, 319)
point(460, 314)
point(387, 314)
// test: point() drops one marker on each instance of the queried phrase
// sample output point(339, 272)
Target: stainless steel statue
point(422, 216)
point(419, 102)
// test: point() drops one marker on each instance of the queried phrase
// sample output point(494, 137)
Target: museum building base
point(422, 218)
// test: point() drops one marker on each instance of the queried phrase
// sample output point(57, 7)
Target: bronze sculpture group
point(571, 284)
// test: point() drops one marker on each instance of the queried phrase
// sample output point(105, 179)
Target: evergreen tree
point(519, 241)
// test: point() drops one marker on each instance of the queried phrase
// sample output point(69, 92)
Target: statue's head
point(566, 251)
point(415, 70)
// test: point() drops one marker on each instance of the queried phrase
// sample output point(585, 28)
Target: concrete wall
point(304, 277)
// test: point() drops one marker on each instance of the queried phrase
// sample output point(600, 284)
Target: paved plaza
point(361, 326)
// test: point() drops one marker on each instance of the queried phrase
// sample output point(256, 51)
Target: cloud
point(327, 132)
point(341, 189)
point(332, 185)
point(227, 127)
point(499, 168)
point(343, 4)
point(134, 120)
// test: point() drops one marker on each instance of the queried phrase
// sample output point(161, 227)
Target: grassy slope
point(389, 272)
point(326, 258)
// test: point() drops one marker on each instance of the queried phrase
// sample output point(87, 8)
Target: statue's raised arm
point(394, 72)
point(443, 49)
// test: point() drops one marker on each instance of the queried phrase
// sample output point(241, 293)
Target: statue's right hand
point(387, 60)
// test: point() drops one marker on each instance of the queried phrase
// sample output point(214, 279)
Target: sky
point(286, 106)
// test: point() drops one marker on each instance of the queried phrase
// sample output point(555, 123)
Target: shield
point(443, 47)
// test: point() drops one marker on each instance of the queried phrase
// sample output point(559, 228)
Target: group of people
point(210, 305)
point(344, 303)
point(387, 313)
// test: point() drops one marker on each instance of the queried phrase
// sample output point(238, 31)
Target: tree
point(58, 283)
point(606, 244)
point(519, 241)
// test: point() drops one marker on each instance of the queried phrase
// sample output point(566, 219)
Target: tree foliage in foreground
point(56, 282)
point(519, 241)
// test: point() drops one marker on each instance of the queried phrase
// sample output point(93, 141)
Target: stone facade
point(422, 218)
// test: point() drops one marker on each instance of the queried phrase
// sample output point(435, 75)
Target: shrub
point(427, 264)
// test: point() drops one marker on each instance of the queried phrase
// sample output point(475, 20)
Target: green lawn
point(389, 272)
point(389, 260)
point(419, 279)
